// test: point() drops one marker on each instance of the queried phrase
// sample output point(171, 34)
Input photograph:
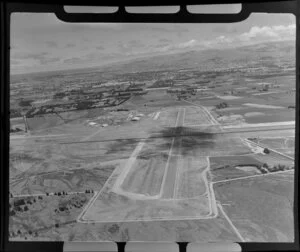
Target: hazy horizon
point(40, 42)
point(127, 61)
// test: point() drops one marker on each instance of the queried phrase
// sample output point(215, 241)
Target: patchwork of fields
point(178, 165)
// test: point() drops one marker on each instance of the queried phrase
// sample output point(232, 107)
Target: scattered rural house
point(92, 123)
point(135, 118)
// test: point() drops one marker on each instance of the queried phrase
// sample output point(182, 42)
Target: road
point(42, 194)
point(272, 150)
point(208, 114)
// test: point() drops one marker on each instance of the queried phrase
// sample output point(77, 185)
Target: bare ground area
point(266, 214)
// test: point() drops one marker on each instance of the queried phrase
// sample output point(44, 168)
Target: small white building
point(136, 118)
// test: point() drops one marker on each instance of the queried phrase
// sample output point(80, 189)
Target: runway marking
point(231, 224)
point(90, 136)
point(168, 161)
point(175, 192)
point(180, 159)
point(156, 115)
point(197, 125)
point(166, 169)
point(97, 195)
point(131, 160)
point(192, 218)
point(91, 201)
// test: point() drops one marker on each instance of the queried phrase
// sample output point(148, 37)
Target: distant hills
point(209, 59)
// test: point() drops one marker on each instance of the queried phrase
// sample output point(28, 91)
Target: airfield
point(182, 172)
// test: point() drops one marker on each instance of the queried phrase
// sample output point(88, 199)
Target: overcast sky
point(41, 42)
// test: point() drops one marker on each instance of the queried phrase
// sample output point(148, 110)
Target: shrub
point(12, 213)
point(266, 151)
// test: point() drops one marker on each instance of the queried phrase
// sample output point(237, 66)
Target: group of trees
point(23, 202)
point(162, 83)
point(222, 105)
point(20, 205)
point(59, 193)
point(274, 168)
point(19, 233)
point(15, 130)
point(89, 191)
point(25, 103)
point(14, 113)
point(67, 205)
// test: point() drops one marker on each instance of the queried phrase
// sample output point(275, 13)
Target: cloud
point(73, 60)
point(51, 44)
point(190, 43)
point(135, 43)
point(256, 34)
point(46, 61)
point(24, 55)
point(100, 48)
point(15, 62)
point(224, 29)
point(69, 45)
point(102, 56)
point(161, 45)
point(164, 40)
point(279, 32)
point(130, 46)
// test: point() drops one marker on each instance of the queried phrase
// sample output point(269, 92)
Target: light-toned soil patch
point(229, 109)
point(229, 97)
point(246, 125)
point(254, 105)
point(248, 169)
point(231, 119)
point(251, 114)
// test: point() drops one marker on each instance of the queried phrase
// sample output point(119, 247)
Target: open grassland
point(209, 144)
point(123, 209)
point(167, 117)
point(31, 217)
point(146, 175)
point(190, 177)
point(224, 167)
point(196, 116)
point(266, 213)
point(285, 145)
point(274, 159)
point(210, 230)
point(77, 180)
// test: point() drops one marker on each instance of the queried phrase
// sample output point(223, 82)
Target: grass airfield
point(171, 176)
